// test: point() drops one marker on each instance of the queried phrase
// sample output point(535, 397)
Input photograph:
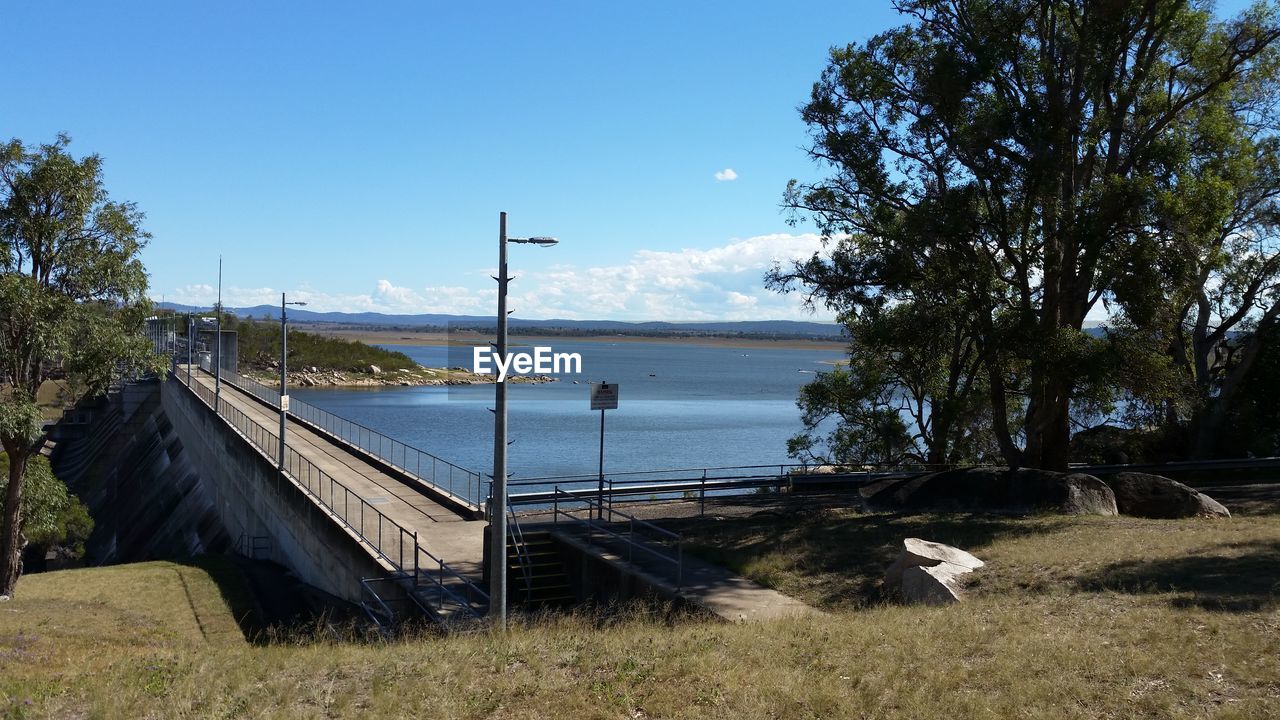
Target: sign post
point(603, 397)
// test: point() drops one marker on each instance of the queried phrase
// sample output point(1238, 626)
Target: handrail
point(400, 455)
point(629, 539)
point(522, 551)
point(361, 518)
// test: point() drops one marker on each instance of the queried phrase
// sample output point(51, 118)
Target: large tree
point(71, 300)
point(1055, 154)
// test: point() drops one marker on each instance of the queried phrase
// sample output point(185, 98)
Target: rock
point(315, 369)
point(375, 370)
point(923, 553)
point(1156, 496)
point(927, 572)
point(880, 494)
point(995, 489)
point(935, 585)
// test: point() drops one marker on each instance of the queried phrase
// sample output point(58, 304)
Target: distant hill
point(788, 328)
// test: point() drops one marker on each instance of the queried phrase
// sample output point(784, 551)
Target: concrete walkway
point(456, 540)
point(731, 597)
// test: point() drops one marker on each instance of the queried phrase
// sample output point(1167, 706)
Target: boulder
point(374, 370)
point(935, 585)
point(995, 489)
point(923, 553)
point(928, 572)
point(1156, 496)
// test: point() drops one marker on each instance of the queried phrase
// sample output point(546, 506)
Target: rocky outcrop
point(928, 572)
point(1156, 496)
point(995, 489)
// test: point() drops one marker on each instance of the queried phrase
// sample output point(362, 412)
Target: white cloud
point(717, 283)
point(726, 175)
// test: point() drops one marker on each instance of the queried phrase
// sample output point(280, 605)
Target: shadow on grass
point(273, 607)
point(1235, 577)
point(838, 559)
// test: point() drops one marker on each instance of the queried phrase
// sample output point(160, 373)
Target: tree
point(50, 514)
point(1056, 155)
point(1221, 327)
point(71, 300)
point(912, 362)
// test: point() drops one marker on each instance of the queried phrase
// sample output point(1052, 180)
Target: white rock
point(927, 572)
point(923, 553)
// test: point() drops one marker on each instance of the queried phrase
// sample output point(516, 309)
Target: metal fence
point(604, 525)
point(464, 486)
point(452, 592)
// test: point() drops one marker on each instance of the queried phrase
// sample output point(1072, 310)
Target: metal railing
point(628, 530)
point(378, 532)
point(463, 485)
point(516, 534)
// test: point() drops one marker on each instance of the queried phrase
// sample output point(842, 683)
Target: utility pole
point(284, 373)
point(190, 340)
point(498, 491)
point(217, 344)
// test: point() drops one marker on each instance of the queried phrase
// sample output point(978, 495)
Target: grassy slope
point(1100, 617)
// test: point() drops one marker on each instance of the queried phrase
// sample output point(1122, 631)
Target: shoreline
point(412, 377)
point(466, 338)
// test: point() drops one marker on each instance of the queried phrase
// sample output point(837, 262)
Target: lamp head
point(543, 241)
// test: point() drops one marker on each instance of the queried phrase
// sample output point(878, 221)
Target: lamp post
point(498, 492)
point(217, 346)
point(284, 388)
point(190, 340)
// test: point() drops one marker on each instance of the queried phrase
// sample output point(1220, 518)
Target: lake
point(680, 406)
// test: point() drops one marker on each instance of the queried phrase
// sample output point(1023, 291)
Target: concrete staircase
point(536, 576)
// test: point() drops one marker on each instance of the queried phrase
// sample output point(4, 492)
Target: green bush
point(259, 344)
point(50, 514)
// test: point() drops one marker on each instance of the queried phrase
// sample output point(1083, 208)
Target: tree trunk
point(10, 530)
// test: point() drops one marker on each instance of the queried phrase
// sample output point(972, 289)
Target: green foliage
point(1252, 427)
point(259, 345)
point(50, 514)
point(1016, 166)
point(72, 295)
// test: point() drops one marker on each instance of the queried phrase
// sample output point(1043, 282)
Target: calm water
point(679, 406)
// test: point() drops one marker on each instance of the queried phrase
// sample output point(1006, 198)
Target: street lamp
point(498, 493)
point(284, 388)
point(217, 347)
point(190, 339)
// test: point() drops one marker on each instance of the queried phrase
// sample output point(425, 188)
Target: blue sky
point(356, 155)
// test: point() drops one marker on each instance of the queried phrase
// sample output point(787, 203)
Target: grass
point(1071, 618)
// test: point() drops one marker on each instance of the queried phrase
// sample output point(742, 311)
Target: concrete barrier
point(252, 498)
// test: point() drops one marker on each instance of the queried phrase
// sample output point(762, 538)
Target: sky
point(357, 155)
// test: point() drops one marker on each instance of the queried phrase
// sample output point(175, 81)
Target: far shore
point(409, 337)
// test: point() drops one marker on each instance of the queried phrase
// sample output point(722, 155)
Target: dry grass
point(1072, 618)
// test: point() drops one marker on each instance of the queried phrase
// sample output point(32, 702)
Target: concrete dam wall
point(131, 469)
point(166, 478)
